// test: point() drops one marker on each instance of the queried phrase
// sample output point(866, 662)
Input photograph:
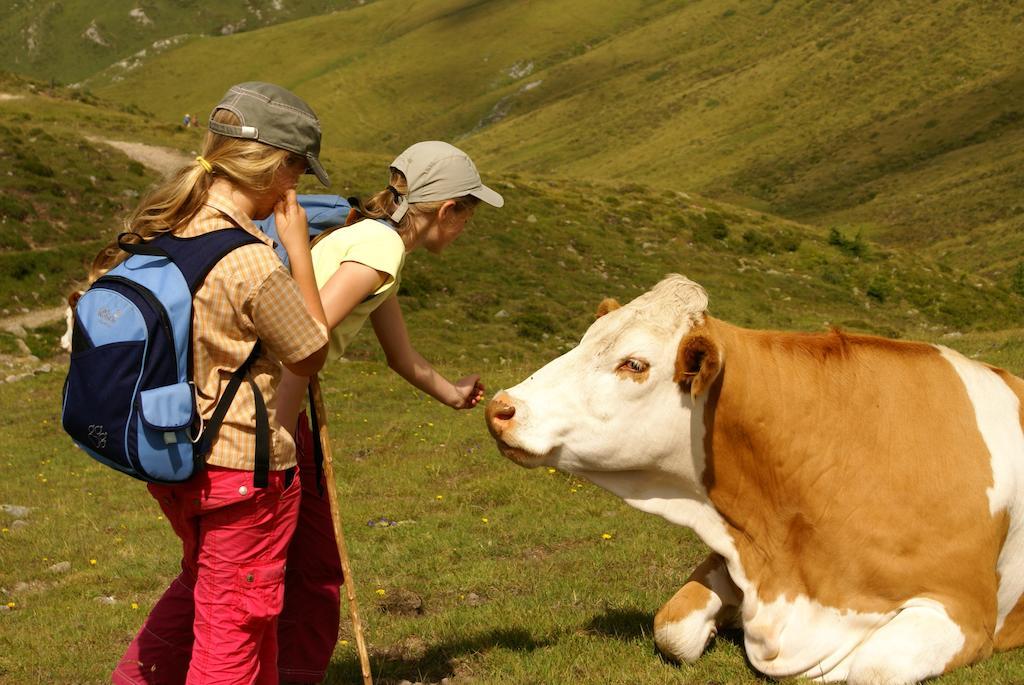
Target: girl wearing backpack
point(432, 193)
point(217, 622)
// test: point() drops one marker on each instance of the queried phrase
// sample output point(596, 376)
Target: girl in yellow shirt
point(433, 191)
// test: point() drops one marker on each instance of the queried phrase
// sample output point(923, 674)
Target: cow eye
point(634, 365)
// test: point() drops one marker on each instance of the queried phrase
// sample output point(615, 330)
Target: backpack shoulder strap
point(197, 255)
point(212, 428)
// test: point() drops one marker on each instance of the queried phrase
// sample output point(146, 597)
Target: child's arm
point(390, 328)
point(346, 288)
point(293, 232)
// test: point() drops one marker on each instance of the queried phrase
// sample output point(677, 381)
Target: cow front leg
point(687, 622)
point(921, 641)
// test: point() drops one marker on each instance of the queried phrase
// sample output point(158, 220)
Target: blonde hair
point(170, 206)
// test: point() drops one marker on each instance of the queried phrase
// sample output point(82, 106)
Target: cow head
point(628, 398)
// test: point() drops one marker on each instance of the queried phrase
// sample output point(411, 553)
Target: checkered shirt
point(247, 295)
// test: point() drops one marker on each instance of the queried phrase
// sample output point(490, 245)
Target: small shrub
point(1017, 281)
point(13, 208)
point(855, 247)
point(534, 325)
point(832, 275)
point(632, 189)
point(879, 289)
point(34, 167)
point(755, 241)
point(420, 283)
point(788, 241)
point(710, 227)
point(136, 168)
point(639, 213)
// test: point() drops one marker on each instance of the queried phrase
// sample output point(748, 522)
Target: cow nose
point(500, 412)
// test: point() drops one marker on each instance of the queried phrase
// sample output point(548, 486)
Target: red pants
point(217, 622)
point(307, 628)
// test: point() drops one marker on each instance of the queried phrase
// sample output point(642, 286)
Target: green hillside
point(68, 41)
point(901, 120)
point(537, 267)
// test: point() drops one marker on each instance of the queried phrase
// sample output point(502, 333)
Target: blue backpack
point(322, 212)
point(129, 399)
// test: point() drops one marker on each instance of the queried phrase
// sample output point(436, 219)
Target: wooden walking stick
point(320, 426)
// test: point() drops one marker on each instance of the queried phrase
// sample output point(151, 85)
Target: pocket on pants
point(261, 587)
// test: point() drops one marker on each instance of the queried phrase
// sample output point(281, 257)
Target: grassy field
point(490, 573)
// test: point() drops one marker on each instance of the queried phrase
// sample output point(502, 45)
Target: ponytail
point(170, 206)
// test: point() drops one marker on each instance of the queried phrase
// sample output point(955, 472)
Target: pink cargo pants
point(217, 622)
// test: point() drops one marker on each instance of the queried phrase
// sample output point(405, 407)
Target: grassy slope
point(48, 39)
point(900, 121)
point(599, 237)
point(63, 194)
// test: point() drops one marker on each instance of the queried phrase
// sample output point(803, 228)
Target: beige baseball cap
point(274, 116)
point(435, 170)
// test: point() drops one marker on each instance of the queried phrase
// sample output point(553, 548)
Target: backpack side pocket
point(164, 449)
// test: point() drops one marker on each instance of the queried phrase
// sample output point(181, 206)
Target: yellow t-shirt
point(368, 242)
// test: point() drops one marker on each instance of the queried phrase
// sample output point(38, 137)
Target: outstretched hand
point(470, 392)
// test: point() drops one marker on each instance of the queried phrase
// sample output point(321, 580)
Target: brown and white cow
point(863, 498)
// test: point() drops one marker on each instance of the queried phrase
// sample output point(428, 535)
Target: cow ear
point(608, 304)
point(698, 363)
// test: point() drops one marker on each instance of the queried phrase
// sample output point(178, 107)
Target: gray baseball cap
point(274, 116)
point(435, 170)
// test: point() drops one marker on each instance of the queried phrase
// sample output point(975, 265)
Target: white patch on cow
point(687, 639)
point(997, 410)
point(801, 637)
point(917, 644)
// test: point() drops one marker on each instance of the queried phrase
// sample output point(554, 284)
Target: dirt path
point(34, 319)
point(164, 160)
point(8, 96)
point(14, 368)
point(161, 159)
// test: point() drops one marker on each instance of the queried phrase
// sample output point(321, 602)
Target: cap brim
point(489, 196)
point(317, 169)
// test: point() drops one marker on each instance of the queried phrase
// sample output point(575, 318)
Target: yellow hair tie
point(206, 165)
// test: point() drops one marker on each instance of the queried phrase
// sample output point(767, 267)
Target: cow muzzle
point(501, 420)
